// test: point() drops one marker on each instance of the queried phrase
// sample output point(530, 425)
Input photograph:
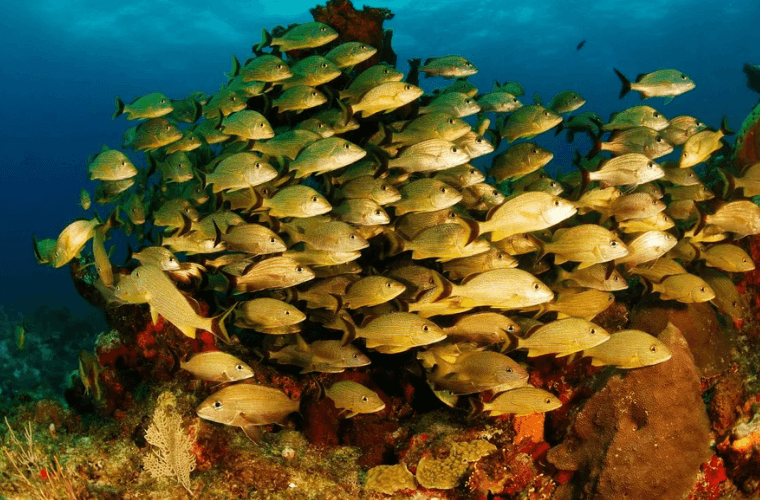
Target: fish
point(561, 338)
point(298, 99)
point(349, 54)
point(666, 83)
point(596, 277)
point(370, 291)
point(636, 206)
point(697, 192)
point(643, 140)
point(628, 349)
point(265, 68)
point(274, 272)
point(636, 116)
point(296, 201)
point(646, 247)
point(21, 336)
point(455, 104)
point(239, 171)
point(482, 327)
point(481, 197)
point(323, 356)
point(71, 241)
point(443, 242)
point(217, 366)
point(321, 233)
point(158, 256)
point(268, 315)
point(588, 244)
point(84, 199)
point(361, 212)
point(658, 270)
point(311, 71)
point(448, 67)
point(247, 125)
point(102, 262)
point(493, 258)
point(253, 239)
point(590, 123)
point(501, 289)
point(580, 45)
point(585, 304)
point(429, 156)
point(166, 300)
point(151, 135)
point(532, 211)
point(529, 121)
point(302, 36)
point(392, 333)
point(385, 97)
point(686, 288)
point(727, 257)
point(89, 373)
point(426, 195)
point(566, 102)
point(727, 299)
point(656, 222)
point(521, 401)
point(460, 176)
point(680, 176)
point(498, 102)
point(325, 155)
point(177, 167)
point(512, 87)
point(370, 188)
point(748, 182)
point(681, 128)
point(247, 406)
point(354, 398)
point(477, 371)
point(369, 79)
point(111, 165)
point(519, 160)
point(152, 105)
point(741, 217)
point(436, 125)
point(701, 145)
point(186, 110)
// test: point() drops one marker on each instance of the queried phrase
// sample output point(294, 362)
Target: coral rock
point(389, 479)
point(644, 435)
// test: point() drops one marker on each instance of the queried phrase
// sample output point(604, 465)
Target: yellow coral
point(389, 479)
point(447, 473)
point(171, 454)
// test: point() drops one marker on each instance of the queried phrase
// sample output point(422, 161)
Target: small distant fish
point(386, 97)
point(393, 333)
point(477, 371)
point(268, 315)
point(111, 165)
point(89, 373)
point(265, 68)
point(586, 243)
point(302, 36)
point(354, 398)
point(349, 54)
point(448, 67)
point(701, 145)
point(247, 406)
point(666, 83)
point(457, 104)
point(84, 199)
point(150, 135)
point(274, 272)
point(727, 298)
point(217, 366)
point(580, 45)
point(312, 71)
point(686, 288)
point(637, 116)
point(20, 336)
point(72, 239)
point(561, 337)
point(519, 160)
point(529, 121)
point(369, 79)
point(596, 276)
point(151, 105)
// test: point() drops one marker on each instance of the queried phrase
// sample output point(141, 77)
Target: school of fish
point(336, 211)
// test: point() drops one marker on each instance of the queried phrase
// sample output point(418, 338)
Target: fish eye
point(388, 284)
point(352, 237)
point(514, 100)
point(659, 139)
point(323, 65)
point(535, 151)
point(239, 367)
point(536, 286)
point(162, 101)
point(365, 399)
point(279, 66)
point(510, 329)
point(323, 28)
point(287, 313)
point(233, 98)
point(363, 47)
point(443, 190)
point(272, 240)
point(314, 94)
point(656, 114)
point(425, 328)
point(218, 405)
point(653, 348)
point(613, 243)
point(257, 165)
point(383, 187)
point(168, 127)
point(467, 101)
point(314, 199)
point(744, 260)
point(299, 269)
point(734, 303)
point(556, 203)
point(453, 149)
point(650, 164)
point(701, 289)
point(347, 146)
point(614, 278)
point(548, 400)
point(478, 140)
point(500, 256)
point(378, 212)
point(683, 77)
point(592, 331)
point(509, 370)
point(451, 121)
point(123, 164)
point(386, 71)
point(407, 87)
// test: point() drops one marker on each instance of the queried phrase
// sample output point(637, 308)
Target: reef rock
point(644, 435)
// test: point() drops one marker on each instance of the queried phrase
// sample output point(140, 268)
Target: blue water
point(62, 64)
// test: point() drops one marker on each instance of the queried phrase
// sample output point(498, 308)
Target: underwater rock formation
point(641, 436)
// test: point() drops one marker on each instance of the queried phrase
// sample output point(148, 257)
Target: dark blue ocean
point(62, 64)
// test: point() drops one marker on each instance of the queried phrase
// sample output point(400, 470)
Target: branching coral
point(171, 455)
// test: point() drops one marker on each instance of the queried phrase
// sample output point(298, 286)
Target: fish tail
point(724, 128)
point(266, 41)
point(35, 245)
point(349, 330)
point(585, 180)
point(217, 325)
point(701, 220)
point(559, 129)
point(729, 183)
point(198, 110)
point(396, 243)
point(596, 149)
point(476, 407)
point(235, 71)
point(338, 302)
point(119, 108)
point(648, 286)
point(626, 83)
point(511, 342)
point(152, 164)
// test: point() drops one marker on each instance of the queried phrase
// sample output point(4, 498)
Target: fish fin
point(596, 149)
point(572, 358)
point(187, 223)
point(351, 414)
point(338, 304)
point(476, 407)
point(302, 345)
point(154, 316)
point(37, 254)
point(511, 343)
point(349, 330)
point(625, 82)
point(729, 183)
point(266, 41)
point(560, 259)
point(235, 71)
point(610, 269)
point(252, 432)
point(559, 128)
point(701, 220)
point(119, 108)
point(189, 331)
point(667, 99)
point(597, 362)
point(537, 99)
point(198, 110)
point(584, 265)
